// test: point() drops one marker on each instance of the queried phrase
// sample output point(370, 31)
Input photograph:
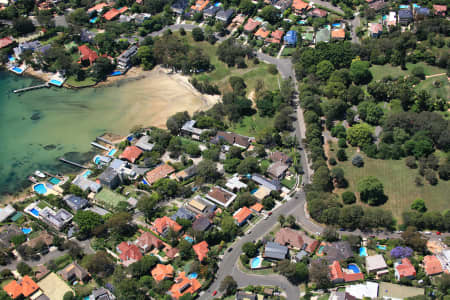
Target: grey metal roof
point(109, 175)
point(273, 185)
point(201, 224)
point(300, 255)
point(86, 184)
point(75, 202)
point(225, 15)
point(276, 251)
point(183, 213)
point(6, 212)
point(211, 11)
point(143, 143)
point(116, 164)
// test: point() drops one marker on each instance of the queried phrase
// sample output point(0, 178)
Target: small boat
point(39, 174)
point(32, 179)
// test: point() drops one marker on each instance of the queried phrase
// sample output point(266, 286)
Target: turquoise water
point(354, 268)
point(40, 189)
point(26, 230)
point(56, 82)
point(87, 173)
point(111, 152)
point(17, 69)
point(363, 251)
point(192, 275)
point(320, 249)
point(189, 239)
point(54, 180)
point(381, 247)
point(256, 262)
point(116, 73)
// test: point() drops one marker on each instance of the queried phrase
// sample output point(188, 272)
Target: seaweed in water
point(35, 116)
point(50, 147)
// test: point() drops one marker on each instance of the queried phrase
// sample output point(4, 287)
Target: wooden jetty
point(35, 87)
point(100, 146)
point(72, 163)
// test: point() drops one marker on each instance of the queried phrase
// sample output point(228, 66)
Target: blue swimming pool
point(144, 181)
point(217, 4)
point(130, 138)
point(27, 230)
point(54, 180)
point(40, 189)
point(189, 239)
point(254, 191)
point(301, 22)
point(320, 249)
point(116, 73)
point(363, 251)
point(381, 247)
point(87, 173)
point(354, 268)
point(193, 276)
point(11, 58)
point(111, 152)
point(336, 25)
point(17, 70)
point(403, 6)
point(56, 82)
point(93, 20)
point(256, 262)
point(35, 212)
point(97, 160)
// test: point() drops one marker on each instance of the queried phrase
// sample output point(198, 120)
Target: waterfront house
point(144, 144)
point(273, 185)
point(225, 15)
point(404, 269)
point(201, 249)
point(251, 25)
point(162, 225)
point(277, 170)
point(179, 6)
point(242, 215)
point(184, 285)
point(275, 37)
point(148, 241)
point(376, 264)
point(87, 55)
point(159, 172)
point(162, 272)
point(282, 5)
point(58, 219)
point(6, 212)
point(299, 7)
point(128, 253)
point(131, 154)
point(202, 223)
point(297, 240)
point(124, 59)
point(75, 203)
point(110, 178)
point(290, 39)
point(24, 287)
point(200, 5)
point(405, 16)
point(74, 272)
point(432, 265)
point(375, 29)
point(275, 251)
point(221, 196)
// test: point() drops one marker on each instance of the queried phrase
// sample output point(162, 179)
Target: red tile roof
point(98, 7)
point(432, 265)
point(277, 34)
point(338, 34)
point(440, 9)
point(131, 153)
point(262, 33)
point(160, 225)
point(201, 249)
point(87, 54)
point(376, 28)
point(336, 271)
point(319, 12)
point(251, 25)
point(406, 269)
point(183, 286)
point(172, 252)
point(299, 5)
point(258, 207)
point(6, 41)
point(112, 13)
point(161, 272)
point(242, 214)
point(296, 239)
point(200, 5)
point(25, 287)
point(159, 172)
point(129, 251)
point(148, 240)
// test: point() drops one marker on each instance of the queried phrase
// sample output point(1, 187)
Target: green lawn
point(109, 198)
point(398, 181)
point(378, 72)
point(428, 84)
point(288, 183)
point(79, 84)
point(250, 125)
point(429, 70)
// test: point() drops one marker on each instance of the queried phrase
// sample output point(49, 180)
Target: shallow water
point(39, 126)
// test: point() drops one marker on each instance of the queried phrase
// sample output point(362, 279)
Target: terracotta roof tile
point(406, 269)
point(161, 272)
point(250, 26)
point(242, 214)
point(159, 172)
point(201, 249)
point(258, 207)
point(338, 34)
point(183, 286)
point(432, 265)
point(262, 33)
point(160, 225)
point(131, 153)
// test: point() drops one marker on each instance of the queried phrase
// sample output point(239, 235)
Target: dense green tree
point(23, 25)
point(87, 221)
point(250, 249)
point(324, 70)
point(270, 14)
point(414, 239)
point(359, 72)
point(248, 166)
point(348, 197)
point(79, 17)
point(319, 274)
point(228, 285)
point(102, 68)
point(143, 266)
point(322, 179)
point(207, 170)
point(24, 269)
point(371, 190)
point(359, 135)
point(145, 55)
point(176, 121)
point(419, 205)
point(147, 205)
point(197, 34)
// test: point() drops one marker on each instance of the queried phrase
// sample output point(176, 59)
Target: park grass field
point(398, 181)
point(428, 84)
point(251, 125)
